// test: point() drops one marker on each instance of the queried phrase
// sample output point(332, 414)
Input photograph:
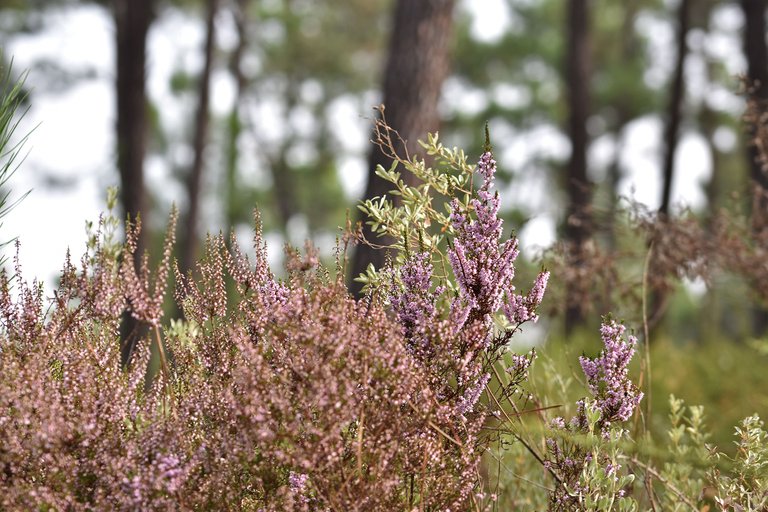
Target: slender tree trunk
point(283, 182)
point(132, 21)
point(659, 298)
point(190, 238)
point(674, 111)
point(711, 325)
point(756, 52)
point(629, 52)
point(284, 178)
point(757, 75)
point(418, 63)
point(578, 228)
point(240, 10)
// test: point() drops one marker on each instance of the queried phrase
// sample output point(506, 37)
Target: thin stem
point(518, 437)
point(647, 349)
point(648, 469)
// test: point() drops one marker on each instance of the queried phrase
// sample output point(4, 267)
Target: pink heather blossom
point(413, 303)
point(483, 265)
point(472, 395)
point(616, 395)
point(519, 308)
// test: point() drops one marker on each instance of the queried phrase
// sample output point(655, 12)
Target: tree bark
point(659, 298)
point(132, 21)
point(417, 65)
point(190, 238)
point(756, 52)
point(757, 75)
point(578, 227)
point(240, 10)
point(674, 111)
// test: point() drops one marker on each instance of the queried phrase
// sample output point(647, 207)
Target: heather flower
point(146, 302)
point(483, 267)
point(298, 485)
point(297, 481)
point(472, 395)
point(614, 398)
point(266, 376)
point(413, 303)
point(521, 364)
point(519, 308)
point(607, 375)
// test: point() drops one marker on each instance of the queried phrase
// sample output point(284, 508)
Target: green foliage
point(746, 487)
point(687, 455)
point(105, 239)
point(12, 96)
point(422, 220)
point(602, 486)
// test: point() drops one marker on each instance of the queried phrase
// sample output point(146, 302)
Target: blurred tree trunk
point(712, 305)
point(417, 65)
point(629, 52)
point(659, 298)
point(132, 21)
point(757, 74)
point(578, 225)
point(674, 111)
point(240, 10)
point(190, 235)
point(285, 189)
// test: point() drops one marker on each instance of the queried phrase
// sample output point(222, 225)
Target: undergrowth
point(289, 394)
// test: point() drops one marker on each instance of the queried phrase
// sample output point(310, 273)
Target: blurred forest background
point(618, 126)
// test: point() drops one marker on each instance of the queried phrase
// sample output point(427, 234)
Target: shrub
point(291, 395)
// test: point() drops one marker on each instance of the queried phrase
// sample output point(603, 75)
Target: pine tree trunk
point(757, 74)
point(190, 235)
point(674, 111)
point(418, 63)
point(132, 20)
point(240, 10)
point(578, 226)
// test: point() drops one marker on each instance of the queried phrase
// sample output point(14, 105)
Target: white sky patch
point(462, 97)
point(353, 174)
point(601, 154)
point(490, 19)
point(223, 93)
point(538, 234)
point(641, 158)
point(693, 169)
point(71, 144)
point(62, 40)
point(661, 36)
point(350, 129)
point(511, 96)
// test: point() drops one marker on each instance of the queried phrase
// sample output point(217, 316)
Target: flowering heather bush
point(291, 395)
point(589, 476)
point(281, 398)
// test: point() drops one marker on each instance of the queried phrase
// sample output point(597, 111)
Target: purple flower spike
point(483, 266)
point(616, 395)
point(487, 168)
point(412, 302)
point(472, 395)
point(519, 308)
